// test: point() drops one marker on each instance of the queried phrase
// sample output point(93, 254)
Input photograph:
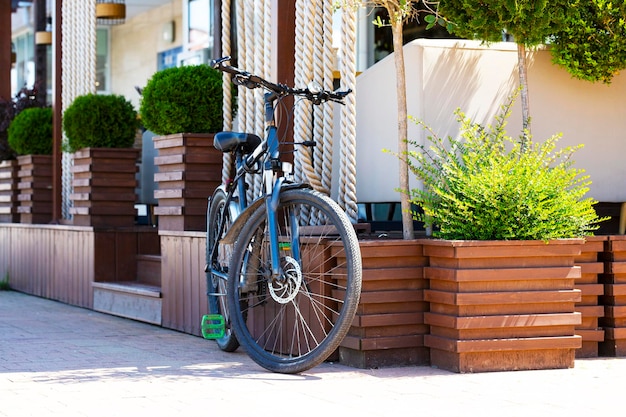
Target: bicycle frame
point(273, 182)
point(312, 293)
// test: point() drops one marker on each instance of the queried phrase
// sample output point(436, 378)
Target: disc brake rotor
point(285, 291)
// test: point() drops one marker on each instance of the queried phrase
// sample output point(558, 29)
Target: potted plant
point(9, 109)
point(8, 167)
point(30, 136)
point(510, 217)
point(101, 131)
point(183, 106)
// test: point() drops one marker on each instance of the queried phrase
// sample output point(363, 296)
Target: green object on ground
point(213, 326)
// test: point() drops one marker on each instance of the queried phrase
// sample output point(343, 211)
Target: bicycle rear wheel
point(216, 286)
point(293, 322)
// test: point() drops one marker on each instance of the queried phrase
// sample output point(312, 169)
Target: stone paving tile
point(59, 360)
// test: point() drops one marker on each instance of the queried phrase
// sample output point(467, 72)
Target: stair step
point(134, 300)
point(149, 269)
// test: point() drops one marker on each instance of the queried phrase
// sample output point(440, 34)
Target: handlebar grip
point(215, 63)
point(340, 94)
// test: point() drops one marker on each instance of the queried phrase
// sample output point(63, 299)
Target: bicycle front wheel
point(292, 321)
point(218, 216)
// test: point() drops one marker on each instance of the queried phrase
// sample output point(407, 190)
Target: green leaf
point(485, 186)
point(378, 22)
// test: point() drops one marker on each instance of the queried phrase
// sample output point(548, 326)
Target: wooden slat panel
point(5, 255)
point(50, 262)
point(538, 343)
point(183, 281)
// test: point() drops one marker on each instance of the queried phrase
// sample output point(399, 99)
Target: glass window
point(414, 29)
point(373, 42)
point(199, 16)
point(23, 72)
point(102, 61)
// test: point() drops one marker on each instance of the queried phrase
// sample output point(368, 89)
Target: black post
point(41, 52)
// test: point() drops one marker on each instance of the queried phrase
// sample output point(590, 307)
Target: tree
point(591, 44)
point(400, 12)
point(530, 22)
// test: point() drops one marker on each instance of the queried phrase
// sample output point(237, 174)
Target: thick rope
point(79, 71)
point(303, 114)
point(298, 80)
point(267, 38)
point(248, 62)
point(257, 13)
point(241, 48)
point(316, 26)
point(226, 88)
point(347, 194)
point(328, 60)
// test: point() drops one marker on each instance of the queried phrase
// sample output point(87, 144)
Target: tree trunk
point(523, 80)
point(407, 217)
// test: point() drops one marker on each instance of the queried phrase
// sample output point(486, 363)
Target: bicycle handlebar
point(251, 81)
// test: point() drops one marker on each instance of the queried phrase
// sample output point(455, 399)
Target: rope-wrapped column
point(328, 61)
point(248, 97)
point(79, 70)
point(303, 113)
point(317, 28)
point(267, 38)
point(244, 114)
point(298, 57)
point(227, 104)
point(256, 12)
point(241, 60)
point(347, 186)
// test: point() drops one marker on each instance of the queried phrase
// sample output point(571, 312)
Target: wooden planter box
point(189, 170)
point(8, 192)
point(35, 188)
point(614, 298)
point(104, 187)
point(183, 281)
point(389, 328)
point(591, 267)
point(498, 306)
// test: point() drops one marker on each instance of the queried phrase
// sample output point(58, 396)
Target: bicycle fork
point(276, 245)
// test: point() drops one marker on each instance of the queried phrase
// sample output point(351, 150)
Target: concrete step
point(131, 299)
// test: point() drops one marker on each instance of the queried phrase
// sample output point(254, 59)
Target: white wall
point(443, 75)
point(134, 48)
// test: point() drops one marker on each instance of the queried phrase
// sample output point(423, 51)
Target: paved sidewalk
point(59, 360)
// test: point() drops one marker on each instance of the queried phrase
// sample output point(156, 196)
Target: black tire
point(292, 326)
point(215, 285)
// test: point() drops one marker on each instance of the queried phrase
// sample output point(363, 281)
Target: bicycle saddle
point(229, 141)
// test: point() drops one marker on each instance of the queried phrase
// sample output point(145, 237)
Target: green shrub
point(486, 186)
point(9, 109)
point(591, 43)
point(30, 133)
point(100, 121)
point(185, 99)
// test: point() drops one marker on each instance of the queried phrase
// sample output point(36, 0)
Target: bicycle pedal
point(213, 326)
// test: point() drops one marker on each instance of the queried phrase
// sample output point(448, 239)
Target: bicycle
point(292, 285)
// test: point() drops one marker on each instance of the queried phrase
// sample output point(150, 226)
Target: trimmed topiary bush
point(487, 186)
point(30, 133)
point(9, 109)
point(100, 121)
point(185, 99)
